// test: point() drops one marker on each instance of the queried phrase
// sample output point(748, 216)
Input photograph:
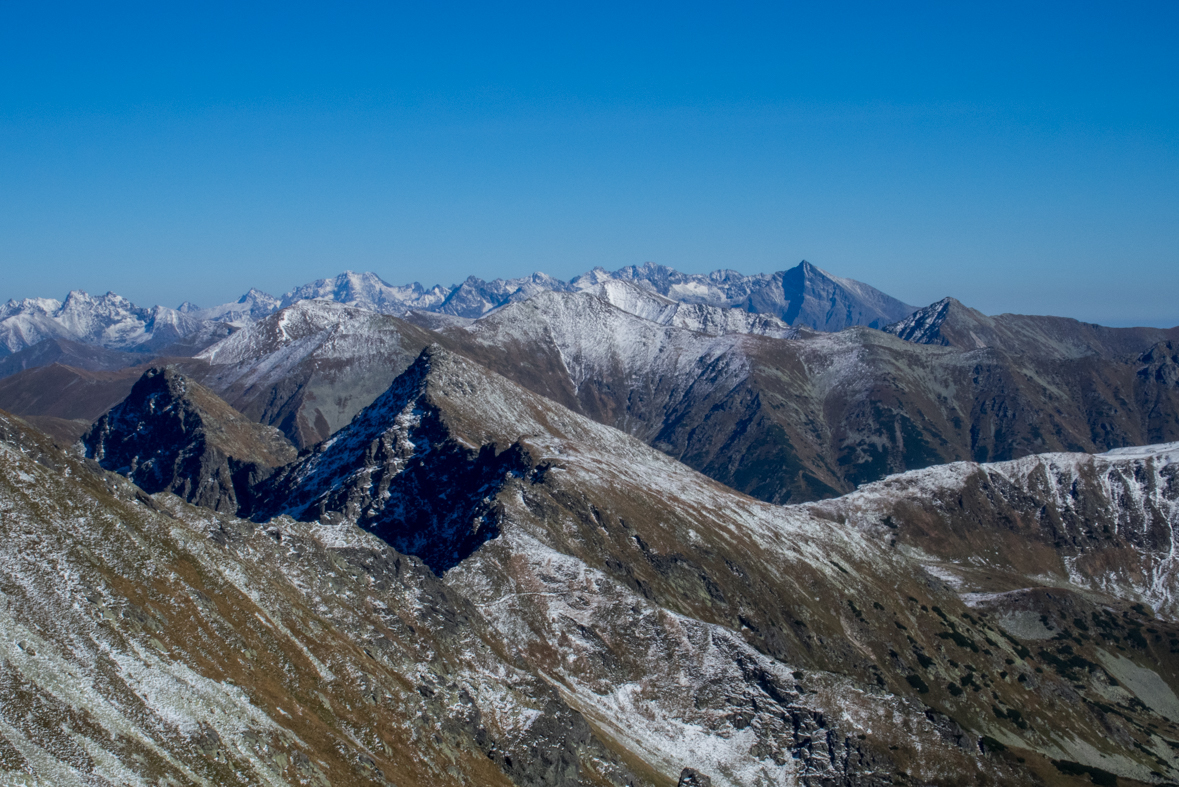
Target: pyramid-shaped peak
point(254, 295)
point(173, 434)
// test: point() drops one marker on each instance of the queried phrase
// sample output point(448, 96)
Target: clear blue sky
point(1019, 157)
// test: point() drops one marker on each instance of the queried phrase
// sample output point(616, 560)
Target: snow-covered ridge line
point(723, 301)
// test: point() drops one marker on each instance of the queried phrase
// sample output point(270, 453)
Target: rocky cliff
point(172, 434)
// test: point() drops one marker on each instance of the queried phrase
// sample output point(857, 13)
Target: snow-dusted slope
point(476, 297)
point(146, 642)
point(1107, 522)
point(950, 323)
point(254, 305)
point(368, 291)
point(607, 363)
point(109, 321)
point(310, 367)
point(698, 317)
point(638, 587)
point(803, 296)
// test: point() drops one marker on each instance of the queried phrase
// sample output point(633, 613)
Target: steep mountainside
point(149, 642)
point(555, 526)
point(802, 296)
point(367, 291)
point(65, 394)
point(783, 419)
point(309, 368)
point(110, 321)
point(951, 324)
point(604, 615)
point(807, 418)
point(172, 434)
point(252, 306)
point(698, 317)
point(1103, 523)
point(475, 297)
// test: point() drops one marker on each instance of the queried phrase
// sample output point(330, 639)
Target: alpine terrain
point(637, 528)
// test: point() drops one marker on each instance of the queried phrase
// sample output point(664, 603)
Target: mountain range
point(639, 528)
point(804, 296)
point(470, 583)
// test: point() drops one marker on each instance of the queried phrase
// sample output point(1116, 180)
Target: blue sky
point(1019, 157)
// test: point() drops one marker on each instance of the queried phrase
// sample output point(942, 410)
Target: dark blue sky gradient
point(1019, 158)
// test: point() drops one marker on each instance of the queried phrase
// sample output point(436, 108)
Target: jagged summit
point(924, 325)
point(310, 367)
point(804, 296)
point(367, 291)
point(591, 601)
point(950, 323)
point(109, 321)
point(173, 434)
point(819, 300)
point(409, 468)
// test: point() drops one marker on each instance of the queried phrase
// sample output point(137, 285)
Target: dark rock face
point(690, 777)
point(308, 369)
point(1160, 364)
point(171, 434)
point(391, 631)
point(399, 473)
point(628, 597)
point(796, 420)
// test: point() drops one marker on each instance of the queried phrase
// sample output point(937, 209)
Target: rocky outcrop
point(690, 777)
point(399, 472)
point(172, 434)
point(1160, 364)
point(950, 323)
point(147, 641)
point(648, 612)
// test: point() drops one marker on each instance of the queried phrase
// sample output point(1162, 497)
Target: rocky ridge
point(172, 434)
point(678, 624)
point(532, 513)
point(951, 324)
point(779, 413)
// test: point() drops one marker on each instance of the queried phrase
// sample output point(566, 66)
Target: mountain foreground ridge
point(563, 604)
point(639, 528)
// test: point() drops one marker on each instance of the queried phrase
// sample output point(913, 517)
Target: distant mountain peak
point(804, 296)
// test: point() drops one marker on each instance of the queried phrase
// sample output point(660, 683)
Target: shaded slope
point(669, 609)
point(803, 296)
point(66, 392)
point(807, 418)
point(67, 353)
point(172, 434)
point(784, 420)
